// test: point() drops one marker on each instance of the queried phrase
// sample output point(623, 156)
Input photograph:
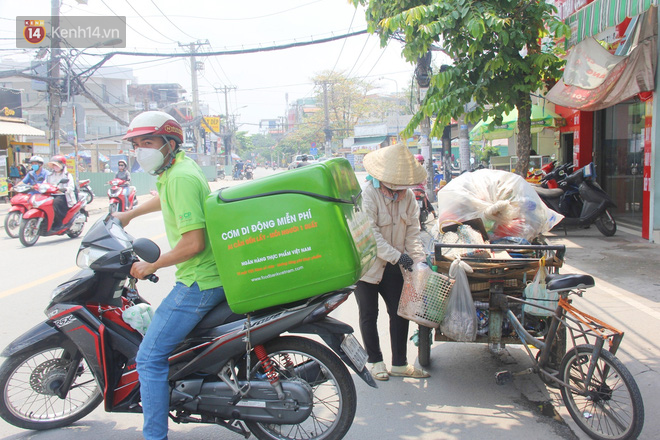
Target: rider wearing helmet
point(419, 158)
point(182, 190)
point(124, 175)
point(37, 173)
point(61, 204)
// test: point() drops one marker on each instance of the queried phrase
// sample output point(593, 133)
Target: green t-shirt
point(183, 189)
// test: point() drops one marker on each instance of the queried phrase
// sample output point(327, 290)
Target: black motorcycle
point(235, 371)
point(579, 198)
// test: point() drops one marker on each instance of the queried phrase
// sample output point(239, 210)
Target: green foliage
point(497, 49)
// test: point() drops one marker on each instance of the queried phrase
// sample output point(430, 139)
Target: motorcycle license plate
point(354, 351)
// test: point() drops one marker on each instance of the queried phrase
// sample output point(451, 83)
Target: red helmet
point(419, 158)
point(59, 160)
point(155, 123)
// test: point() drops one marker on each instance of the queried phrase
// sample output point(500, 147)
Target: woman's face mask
point(35, 167)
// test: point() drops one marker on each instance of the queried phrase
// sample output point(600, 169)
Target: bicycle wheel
point(610, 406)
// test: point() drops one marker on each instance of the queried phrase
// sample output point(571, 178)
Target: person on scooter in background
point(394, 216)
point(182, 191)
point(124, 175)
point(37, 173)
point(427, 203)
point(61, 203)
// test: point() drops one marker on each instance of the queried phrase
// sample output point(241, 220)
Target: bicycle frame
point(579, 324)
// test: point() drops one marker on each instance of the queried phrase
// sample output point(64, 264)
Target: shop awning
point(595, 79)
point(541, 118)
point(367, 144)
point(18, 128)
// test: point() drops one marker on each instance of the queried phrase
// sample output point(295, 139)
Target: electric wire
point(173, 24)
point(131, 27)
point(146, 21)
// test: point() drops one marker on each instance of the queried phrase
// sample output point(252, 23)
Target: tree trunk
point(524, 107)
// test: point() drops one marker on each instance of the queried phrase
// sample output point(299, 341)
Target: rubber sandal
point(409, 371)
point(379, 371)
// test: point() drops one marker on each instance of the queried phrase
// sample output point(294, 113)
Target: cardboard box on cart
point(290, 236)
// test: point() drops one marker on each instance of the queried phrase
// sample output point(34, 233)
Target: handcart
point(492, 276)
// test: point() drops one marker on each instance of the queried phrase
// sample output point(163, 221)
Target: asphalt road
point(459, 401)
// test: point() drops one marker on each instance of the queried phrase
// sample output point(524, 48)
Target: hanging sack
point(537, 293)
point(460, 322)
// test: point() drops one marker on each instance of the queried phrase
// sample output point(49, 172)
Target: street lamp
point(396, 85)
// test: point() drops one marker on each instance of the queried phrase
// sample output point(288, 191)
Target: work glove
point(406, 262)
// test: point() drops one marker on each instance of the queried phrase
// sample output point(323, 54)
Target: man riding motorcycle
point(37, 173)
point(182, 190)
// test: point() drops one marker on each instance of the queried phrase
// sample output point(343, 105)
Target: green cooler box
point(290, 236)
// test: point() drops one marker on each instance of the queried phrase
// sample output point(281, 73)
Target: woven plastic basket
point(424, 296)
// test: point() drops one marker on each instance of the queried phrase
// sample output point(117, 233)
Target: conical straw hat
point(394, 165)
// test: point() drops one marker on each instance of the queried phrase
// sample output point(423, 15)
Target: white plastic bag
point(138, 316)
point(460, 323)
point(537, 293)
point(507, 204)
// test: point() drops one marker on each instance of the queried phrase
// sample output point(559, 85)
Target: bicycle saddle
point(558, 283)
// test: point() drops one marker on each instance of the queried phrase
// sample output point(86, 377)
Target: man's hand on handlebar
point(141, 270)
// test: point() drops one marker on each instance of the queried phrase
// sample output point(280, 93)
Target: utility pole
point(423, 75)
point(54, 89)
point(228, 128)
point(327, 130)
point(194, 67)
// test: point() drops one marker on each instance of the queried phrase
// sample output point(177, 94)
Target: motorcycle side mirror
point(146, 249)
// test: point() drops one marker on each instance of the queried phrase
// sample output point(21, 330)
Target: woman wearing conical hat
point(394, 216)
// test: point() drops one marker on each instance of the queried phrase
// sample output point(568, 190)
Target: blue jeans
point(176, 316)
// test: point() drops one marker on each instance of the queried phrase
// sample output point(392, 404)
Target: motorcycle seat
point(550, 193)
point(221, 314)
point(559, 283)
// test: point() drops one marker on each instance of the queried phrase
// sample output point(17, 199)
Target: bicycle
point(599, 392)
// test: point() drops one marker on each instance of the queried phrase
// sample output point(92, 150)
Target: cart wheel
point(424, 349)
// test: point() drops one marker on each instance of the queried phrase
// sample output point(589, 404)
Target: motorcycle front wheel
point(114, 207)
point(13, 223)
point(29, 231)
point(606, 224)
point(29, 381)
point(334, 396)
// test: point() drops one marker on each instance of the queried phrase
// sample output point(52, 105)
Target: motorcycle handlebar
point(153, 278)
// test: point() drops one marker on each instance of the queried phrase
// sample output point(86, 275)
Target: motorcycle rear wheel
point(29, 232)
point(334, 396)
point(13, 223)
point(606, 224)
point(27, 381)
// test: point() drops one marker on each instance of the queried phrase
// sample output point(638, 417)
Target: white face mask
point(150, 159)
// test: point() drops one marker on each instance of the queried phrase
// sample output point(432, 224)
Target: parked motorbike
point(20, 204)
point(221, 173)
point(249, 175)
point(425, 207)
point(119, 201)
point(85, 190)
point(579, 199)
point(38, 220)
point(235, 371)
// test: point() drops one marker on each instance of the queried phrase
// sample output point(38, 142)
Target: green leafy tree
point(497, 49)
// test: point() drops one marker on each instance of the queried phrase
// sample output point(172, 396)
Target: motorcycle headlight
point(63, 288)
point(87, 256)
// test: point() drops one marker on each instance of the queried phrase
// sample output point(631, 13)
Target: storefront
point(606, 97)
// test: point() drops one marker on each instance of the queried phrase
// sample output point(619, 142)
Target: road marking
point(50, 277)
